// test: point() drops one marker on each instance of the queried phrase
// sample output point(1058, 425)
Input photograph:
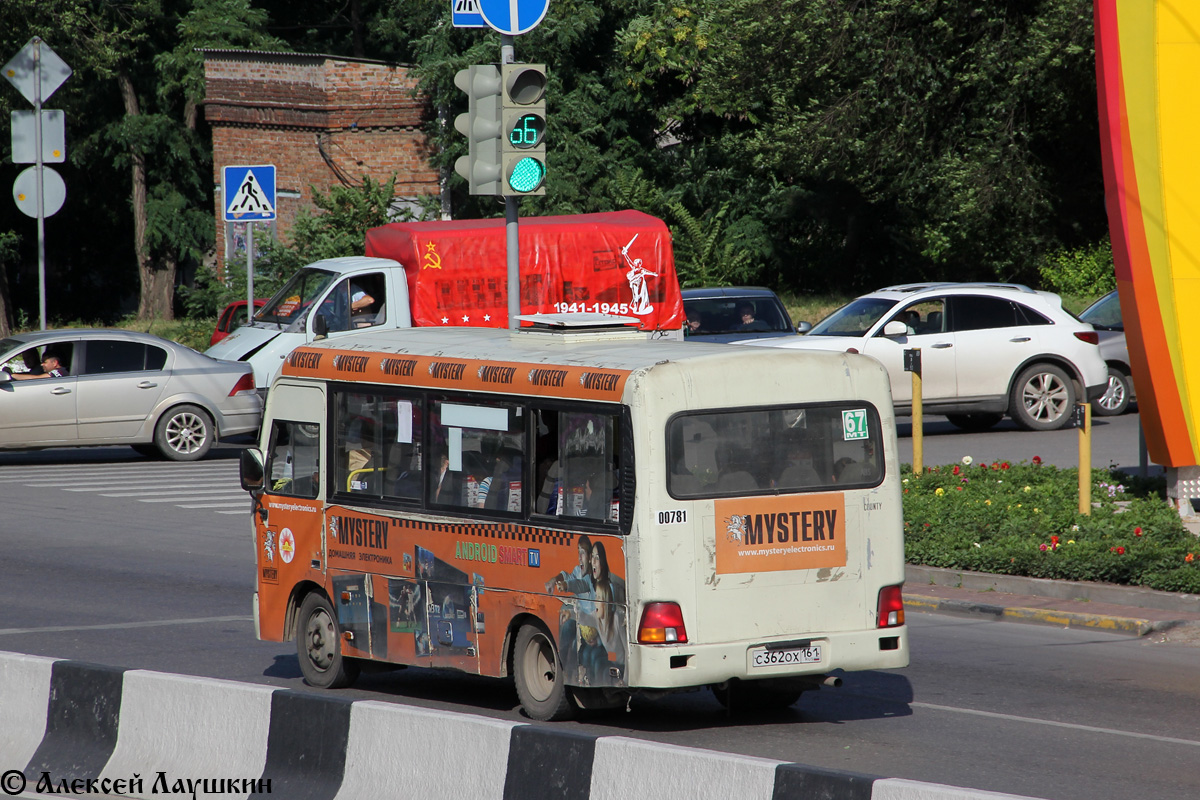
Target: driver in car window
point(51, 368)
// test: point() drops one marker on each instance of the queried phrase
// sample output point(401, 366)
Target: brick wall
point(314, 117)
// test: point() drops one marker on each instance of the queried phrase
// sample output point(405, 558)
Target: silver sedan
point(80, 387)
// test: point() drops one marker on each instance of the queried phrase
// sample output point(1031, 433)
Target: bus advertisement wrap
point(769, 534)
point(431, 605)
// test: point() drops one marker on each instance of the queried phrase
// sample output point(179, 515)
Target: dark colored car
point(233, 316)
point(1105, 316)
point(719, 314)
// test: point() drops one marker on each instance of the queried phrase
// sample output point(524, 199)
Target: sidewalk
point(1117, 609)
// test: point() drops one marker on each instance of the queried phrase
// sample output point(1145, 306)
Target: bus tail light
point(891, 606)
point(244, 384)
point(662, 623)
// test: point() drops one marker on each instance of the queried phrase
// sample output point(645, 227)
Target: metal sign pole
point(512, 238)
point(249, 271)
point(41, 193)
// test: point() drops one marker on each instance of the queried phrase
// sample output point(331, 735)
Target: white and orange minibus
point(591, 511)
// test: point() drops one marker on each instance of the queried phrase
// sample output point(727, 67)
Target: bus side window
point(378, 444)
point(477, 455)
point(577, 465)
point(294, 461)
point(358, 443)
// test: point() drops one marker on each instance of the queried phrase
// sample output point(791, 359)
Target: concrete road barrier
point(93, 729)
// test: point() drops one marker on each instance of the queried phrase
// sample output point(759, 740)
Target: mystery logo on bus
point(599, 381)
point(447, 370)
point(489, 373)
point(359, 532)
point(547, 377)
point(768, 534)
point(399, 367)
point(347, 363)
point(302, 359)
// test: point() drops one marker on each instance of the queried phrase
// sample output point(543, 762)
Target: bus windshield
point(289, 303)
point(769, 451)
point(853, 319)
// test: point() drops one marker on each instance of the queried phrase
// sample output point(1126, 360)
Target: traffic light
point(481, 126)
point(523, 129)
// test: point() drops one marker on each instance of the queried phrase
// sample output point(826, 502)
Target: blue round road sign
point(513, 17)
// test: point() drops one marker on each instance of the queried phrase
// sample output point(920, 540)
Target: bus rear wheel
point(319, 646)
point(539, 676)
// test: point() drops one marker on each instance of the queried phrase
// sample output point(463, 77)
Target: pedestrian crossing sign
point(249, 193)
point(466, 14)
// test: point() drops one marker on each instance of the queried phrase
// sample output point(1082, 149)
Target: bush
point(1081, 271)
point(1023, 519)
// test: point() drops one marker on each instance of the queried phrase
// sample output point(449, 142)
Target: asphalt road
point(1115, 442)
point(119, 560)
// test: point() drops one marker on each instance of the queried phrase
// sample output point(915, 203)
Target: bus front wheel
point(319, 646)
point(539, 676)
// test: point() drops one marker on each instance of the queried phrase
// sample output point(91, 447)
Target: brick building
point(320, 120)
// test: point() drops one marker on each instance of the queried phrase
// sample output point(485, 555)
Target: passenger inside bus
point(799, 470)
point(734, 470)
point(546, 456)
point(448, 486)
point(403, 471)
point(502, 489)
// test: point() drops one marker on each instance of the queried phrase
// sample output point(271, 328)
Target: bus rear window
point(774, 450)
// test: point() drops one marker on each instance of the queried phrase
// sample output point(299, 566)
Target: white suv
point(986, 350)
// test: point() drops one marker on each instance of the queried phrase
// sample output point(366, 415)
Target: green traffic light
point(527, 175)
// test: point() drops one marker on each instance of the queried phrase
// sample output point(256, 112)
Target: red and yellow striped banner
point(1148, 81)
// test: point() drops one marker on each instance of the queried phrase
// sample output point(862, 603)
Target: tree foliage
point(923, 138)
point(809, 145)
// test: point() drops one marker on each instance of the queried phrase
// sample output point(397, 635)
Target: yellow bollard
point(1085, 459)
point(918, 427)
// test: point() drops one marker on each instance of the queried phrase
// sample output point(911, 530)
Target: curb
point(1062, 590)
point(1130, 599)
point(94, 729)
point(1068, 619)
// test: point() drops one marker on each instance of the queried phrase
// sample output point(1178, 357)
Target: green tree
point(141, 53)
point(920, 137)
point(8, 253)
point(338, 226)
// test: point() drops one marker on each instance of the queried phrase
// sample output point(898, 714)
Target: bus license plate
point(782, 658)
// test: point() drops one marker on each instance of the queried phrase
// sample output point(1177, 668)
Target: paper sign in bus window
point(404, 421)
point(481, 417)
point(854, 424)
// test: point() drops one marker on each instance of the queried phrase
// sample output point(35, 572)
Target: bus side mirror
point(320, 326)
point(251, 469)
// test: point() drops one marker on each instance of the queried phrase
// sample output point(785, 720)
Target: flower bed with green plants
point(1023, 519)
